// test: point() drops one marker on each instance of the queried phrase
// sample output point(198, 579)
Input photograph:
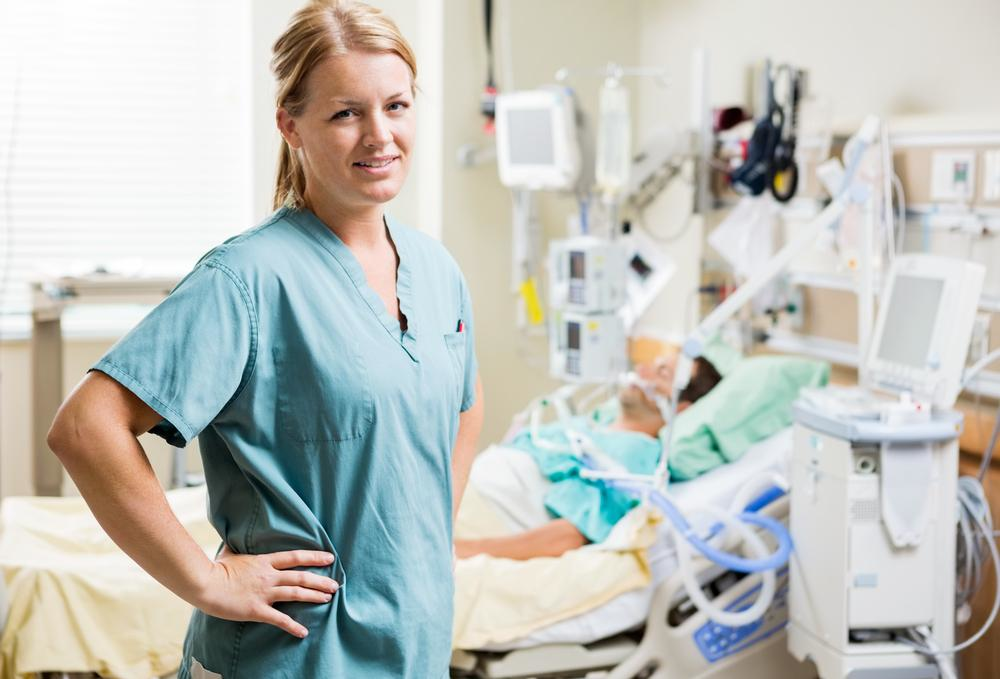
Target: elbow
point(63, 435)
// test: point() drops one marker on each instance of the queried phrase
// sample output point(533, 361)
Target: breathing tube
point(687, 540)
point(749, 515)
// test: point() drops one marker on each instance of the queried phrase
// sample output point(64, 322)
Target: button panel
point(719, 641)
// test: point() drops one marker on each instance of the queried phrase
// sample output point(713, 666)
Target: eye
point(398, 106)
point(342, 115)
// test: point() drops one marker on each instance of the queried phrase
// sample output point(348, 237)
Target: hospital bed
point(655, 631)
point(78, 605)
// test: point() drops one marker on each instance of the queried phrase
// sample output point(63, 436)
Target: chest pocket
point(455, 343)
point(323, 398)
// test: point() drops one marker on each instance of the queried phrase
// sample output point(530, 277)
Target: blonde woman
point(325, 361)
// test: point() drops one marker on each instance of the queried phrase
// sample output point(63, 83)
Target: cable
point(972, 500)
point(488, 99)
point(989, 450)
point(986, 360)
point(897, 184)
point(488, 24)
point(665, 238)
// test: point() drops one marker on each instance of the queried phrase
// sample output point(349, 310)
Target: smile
point(376, 163)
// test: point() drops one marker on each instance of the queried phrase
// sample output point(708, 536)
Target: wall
point(891, 57)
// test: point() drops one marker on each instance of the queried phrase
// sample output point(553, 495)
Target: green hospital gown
point(322, 425)
point(591, 506)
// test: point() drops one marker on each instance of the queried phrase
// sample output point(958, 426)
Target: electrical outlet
point(953, 175)
point(979, 346)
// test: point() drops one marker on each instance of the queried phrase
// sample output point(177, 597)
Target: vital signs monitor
point(537, 146)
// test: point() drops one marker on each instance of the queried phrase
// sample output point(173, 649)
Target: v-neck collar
point(332, 243)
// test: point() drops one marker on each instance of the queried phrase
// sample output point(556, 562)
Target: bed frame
point(677, 641)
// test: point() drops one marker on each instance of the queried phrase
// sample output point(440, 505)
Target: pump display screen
point(531, 136)
point(910, 319)
point(573, 336)
point(577, 265)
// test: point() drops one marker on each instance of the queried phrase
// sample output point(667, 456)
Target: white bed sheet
point(629, 610)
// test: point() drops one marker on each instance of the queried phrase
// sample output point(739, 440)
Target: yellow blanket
point(77, 603)
point(500, 600)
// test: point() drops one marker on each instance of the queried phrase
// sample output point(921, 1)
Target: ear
point(286, 126)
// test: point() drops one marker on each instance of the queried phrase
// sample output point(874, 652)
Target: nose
point(378, 134)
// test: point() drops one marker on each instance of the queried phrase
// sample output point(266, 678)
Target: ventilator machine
point(874, 501)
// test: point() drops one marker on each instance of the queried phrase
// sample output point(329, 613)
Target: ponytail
point(290, 187)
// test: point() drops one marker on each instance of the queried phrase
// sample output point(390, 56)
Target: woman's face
point(356, 131)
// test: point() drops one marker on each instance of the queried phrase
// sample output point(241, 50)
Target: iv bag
point(614, 139)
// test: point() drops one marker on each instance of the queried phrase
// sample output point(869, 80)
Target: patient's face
point(660, 373)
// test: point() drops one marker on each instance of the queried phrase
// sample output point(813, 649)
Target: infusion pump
point(587, 347)
point(586, 274)
point(598, 289)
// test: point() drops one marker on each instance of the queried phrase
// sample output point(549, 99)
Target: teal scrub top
point(322, 425)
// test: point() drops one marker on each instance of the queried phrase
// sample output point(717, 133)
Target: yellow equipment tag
point(529, 293)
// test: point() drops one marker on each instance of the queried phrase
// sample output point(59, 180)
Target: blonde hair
point(322, 29)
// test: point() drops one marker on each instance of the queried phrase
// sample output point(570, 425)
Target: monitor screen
point(573, 335)
point(530, 136)
point(910, 319)
point(577, 265)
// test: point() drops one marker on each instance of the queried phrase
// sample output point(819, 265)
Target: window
point(125, 136)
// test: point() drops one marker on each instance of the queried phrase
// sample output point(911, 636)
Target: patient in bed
point(553, 509)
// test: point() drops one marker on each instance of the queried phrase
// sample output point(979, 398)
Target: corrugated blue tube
point(730, 561)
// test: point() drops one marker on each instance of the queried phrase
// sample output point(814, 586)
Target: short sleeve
point(192, 354)
point(471, 366)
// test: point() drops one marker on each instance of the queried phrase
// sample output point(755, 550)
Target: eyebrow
point(352, 102)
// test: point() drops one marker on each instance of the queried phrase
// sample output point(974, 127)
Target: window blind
point(125, 136)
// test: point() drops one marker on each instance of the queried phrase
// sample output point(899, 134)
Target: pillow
point(722, 355)
point(748, 405)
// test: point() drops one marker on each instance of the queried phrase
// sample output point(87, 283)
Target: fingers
point(305, 594)
point(300, 557)
point(275, 617)
point(307, 580)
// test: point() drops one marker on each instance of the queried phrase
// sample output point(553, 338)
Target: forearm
point(553, 539)
point(470, 423)
point(114, 476)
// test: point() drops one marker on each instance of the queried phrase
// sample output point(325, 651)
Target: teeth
point(375, 164)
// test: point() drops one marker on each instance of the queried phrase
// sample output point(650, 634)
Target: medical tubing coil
point(767, 562)
point(717, 614)
point(685, 538)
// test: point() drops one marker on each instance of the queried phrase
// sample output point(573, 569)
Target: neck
point(645, 423)
point(362, 226)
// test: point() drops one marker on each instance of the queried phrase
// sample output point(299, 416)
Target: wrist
point(200, 590)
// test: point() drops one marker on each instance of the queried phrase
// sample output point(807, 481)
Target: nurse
point(324, 359)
